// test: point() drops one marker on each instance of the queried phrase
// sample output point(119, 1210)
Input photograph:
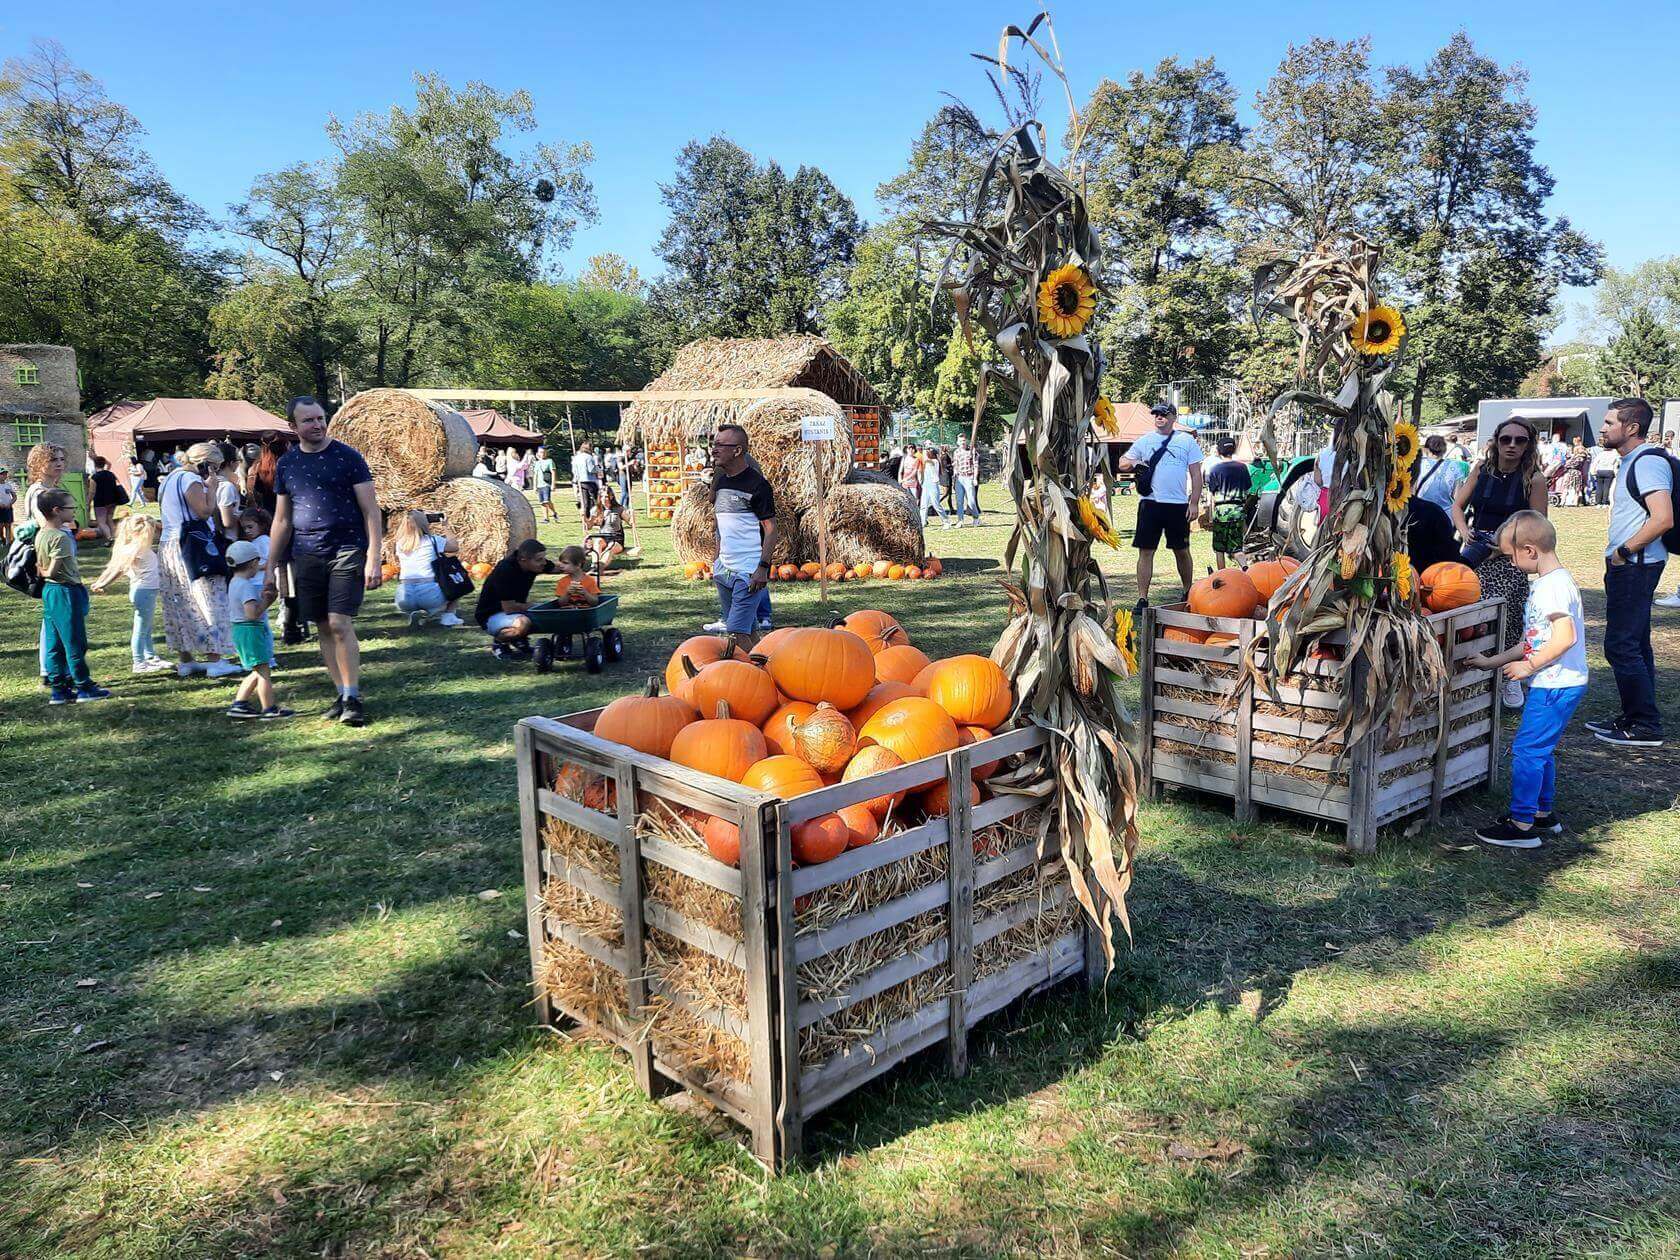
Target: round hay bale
point(694, 529)
point(489, 518)
point(789, 462)
point(410, 444)
point(869, 522)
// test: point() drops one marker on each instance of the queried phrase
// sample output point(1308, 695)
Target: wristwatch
point(1625, 554)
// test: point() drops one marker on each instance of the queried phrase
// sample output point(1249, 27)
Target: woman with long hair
point(605, 523)
point(259, 483)
point(418, 592)
point(195, 610)
point(1507, 479)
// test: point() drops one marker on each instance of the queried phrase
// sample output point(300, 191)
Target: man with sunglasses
point(1641, 511)
point(745, 507)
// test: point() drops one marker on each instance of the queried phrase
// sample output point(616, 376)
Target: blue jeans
point(968, 497)
point(762, 613)
point(419, 596)
point(144, 599)
point(64, 634)
point(1628, 592)
point(737, 600)
point(1533, 764)
point(930, 503)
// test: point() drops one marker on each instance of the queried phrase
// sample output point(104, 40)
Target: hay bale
point(869, 477)
point(410, 444)
point(869, 522)
point(694, 529)
point(489, 518)
point(790, 462)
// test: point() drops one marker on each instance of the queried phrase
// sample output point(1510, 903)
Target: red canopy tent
point(180, 422)
point(492, 428)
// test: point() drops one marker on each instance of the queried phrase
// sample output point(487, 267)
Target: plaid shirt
point(965, 463)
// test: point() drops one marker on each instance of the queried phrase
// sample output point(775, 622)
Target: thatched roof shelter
point(740, 363)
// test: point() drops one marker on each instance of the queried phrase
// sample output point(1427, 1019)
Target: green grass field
point(259, 999)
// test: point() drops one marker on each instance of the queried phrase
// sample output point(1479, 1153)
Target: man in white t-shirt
point(1173, 462)
point(585, 480)
point(1641, 511)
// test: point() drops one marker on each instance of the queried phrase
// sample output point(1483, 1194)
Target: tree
point(562, 336)
point(1642, 359)
point(609, 271)
point(943, 173)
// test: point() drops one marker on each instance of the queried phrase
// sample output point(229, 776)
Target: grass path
point(306, 1030)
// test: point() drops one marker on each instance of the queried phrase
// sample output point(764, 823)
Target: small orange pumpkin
point(815, 665)
point(389, 572)
point(478, 572)
point(820, 840)
point(747, 689)
point(912, 572)
point(900, 663)
point(913, 728)
point(878, 629)
point(825, 740)
point(786, 777)
point(810, 568)
point(836, 571)
point(1269, 575)
point(873, 760)
point(787, 572)
point(895, 572)
point(861, 571)
point(882, 693)
point(723, 840)
point(862, 827)
point(648, 722)
point(1448, 585)
point(723, 746)
point(967, 735)
point(778, 730)
point(702, 650)
point(974, 690)
point(1227, 593)
point(936, 801)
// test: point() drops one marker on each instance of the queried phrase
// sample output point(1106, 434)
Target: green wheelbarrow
point(562, 631)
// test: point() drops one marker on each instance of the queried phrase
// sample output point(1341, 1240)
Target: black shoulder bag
point(451, 575)
point(1144, 477)
point(201, 545)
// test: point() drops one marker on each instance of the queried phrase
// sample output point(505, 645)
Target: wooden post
point(1143, 625)
point(1496, 731)
point(630, 907)
point(959, 824)
point(756, 938)
point(529, 759)
point(822, 522)
point(788, 1119)
point(1361, 761)
point(1443, 736)
point(1245, 728)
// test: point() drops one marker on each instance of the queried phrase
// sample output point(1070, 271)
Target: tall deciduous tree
point(609, 271)
point(1642, 359)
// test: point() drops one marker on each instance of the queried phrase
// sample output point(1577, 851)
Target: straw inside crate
point(698, 902)
point(576, 908)
point(580, 985)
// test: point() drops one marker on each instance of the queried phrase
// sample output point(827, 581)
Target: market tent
point(1132, 420)
point(492, 428)
point(110, 415)
point(178, 421)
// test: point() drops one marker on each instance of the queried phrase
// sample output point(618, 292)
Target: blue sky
point(228, 91)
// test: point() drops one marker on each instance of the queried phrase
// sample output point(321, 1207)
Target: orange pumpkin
point(478, 572)
point(895, 572)
point(787, 572)
point(768, 643)
point(836, 571)
point(974, 690)
point(921, 680)
point(778, 731)
point(724, 746)
point(882, 693)
point(815, 664)
point(936, 801)
point(702, 650)
point(1268, 575)
point(934, 566)
point(1448, 585)
point(786, 777)
point(912, 572)
point(810, 568)
point(967, 735)
point(878, 629)
point(900, 663)
point(824, 740)
point(913, 728)
point(879, 568)
point(723, 840)
point(862, 827)
point(389, 572)
point(743, 686)
point(1227, 593)
point(1220, 637)
point(804, 575)
point(861, 571)
point(648, 722)
point(820, 839)
point(1181, 634)
point(873, 760)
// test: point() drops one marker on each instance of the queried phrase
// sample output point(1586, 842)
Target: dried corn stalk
point(1358, 577)
point(1028, 242)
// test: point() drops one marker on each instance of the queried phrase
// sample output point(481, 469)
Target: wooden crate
point(1253, 750)
point(994, 925)
point(866, 436)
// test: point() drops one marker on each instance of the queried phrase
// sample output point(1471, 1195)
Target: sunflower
point(1377, 331)
point(1066, 301)
point(1404, 576)
point(1399, 491)
point(1404, 444)
point(1096, 523)
point(1105, 416)
point(1125, 638)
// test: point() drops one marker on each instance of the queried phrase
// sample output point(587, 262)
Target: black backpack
point(21, 573)
point(1671, 536)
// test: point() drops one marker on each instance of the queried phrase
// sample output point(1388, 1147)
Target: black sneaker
point(503, 653)
point(1549, 824)
point(522, 649)
point(274, 712)
point(1626, 736)
point(1507, 835)
point(335, 710)
point(352, 714)
point(91, 691)
point(243, 709)
point(62, 695)
point(1603, 726)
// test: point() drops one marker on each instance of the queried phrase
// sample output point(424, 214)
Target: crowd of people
point(939, 479)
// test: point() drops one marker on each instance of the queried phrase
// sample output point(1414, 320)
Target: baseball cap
point(242, 552)
point(1163, 409)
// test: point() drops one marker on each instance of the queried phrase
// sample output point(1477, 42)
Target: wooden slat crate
point(1258, 751)
point(774, 991)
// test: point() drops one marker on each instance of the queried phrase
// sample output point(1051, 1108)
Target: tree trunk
point(1417, 394)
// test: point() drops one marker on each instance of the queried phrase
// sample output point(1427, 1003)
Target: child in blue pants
point(1553, 657)
point(64, 603)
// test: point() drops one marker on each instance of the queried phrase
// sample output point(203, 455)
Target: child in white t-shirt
point(134, 556)
point(252, 638)
point(1553, 658)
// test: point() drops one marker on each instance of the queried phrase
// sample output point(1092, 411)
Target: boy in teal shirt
point(64, 602)
point(252, 638)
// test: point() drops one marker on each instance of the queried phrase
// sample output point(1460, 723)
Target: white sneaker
point(714, 627)
point(1513, 694)
point(220, 669)
point(151, 665)
point(1667, 601)
point(765, 626)
point(188, 668)
point(450, 619)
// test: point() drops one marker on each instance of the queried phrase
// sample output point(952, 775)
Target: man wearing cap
point(1170, 486)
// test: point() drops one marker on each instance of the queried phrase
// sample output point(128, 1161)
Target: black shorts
point(330, 584)
point(5, 516)
point(1155, 519)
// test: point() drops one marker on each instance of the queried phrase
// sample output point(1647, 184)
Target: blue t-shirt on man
point(322, 488)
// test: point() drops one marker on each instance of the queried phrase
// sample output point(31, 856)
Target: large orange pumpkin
point(882, 693)
point(771, 641)
point(899, 663)
point(936, 801)
point(1227, 593)
point(873, 760)
point(825, 740)
point(748, 690)
point(921, 680)
point(786, 777)
point(974, 690)
point(648, 722)
point(702, 649)
point(778, 731)
point(967, 735)
point(820, 839)
point(913, 728)
point(723, 840)
point(862, 827)
point(876, 628)
point(1268, 575)
point(814, 664)
point(725, 746)
point(1448, 585)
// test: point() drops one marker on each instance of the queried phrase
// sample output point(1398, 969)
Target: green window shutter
point(27, 374)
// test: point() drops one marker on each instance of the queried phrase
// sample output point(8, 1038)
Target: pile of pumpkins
point(813, 707)
point(810, 571)
point(1247, 593)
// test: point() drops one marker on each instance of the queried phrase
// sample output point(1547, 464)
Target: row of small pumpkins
point(1248, 593)
point(813, 707)
point(810, 571)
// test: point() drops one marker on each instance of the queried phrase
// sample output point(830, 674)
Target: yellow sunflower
point(1125, 639)
point(1405, 444)
point(1096, 523)
point(1105, 416)
point(1378, 331)
point(1066, 301)
point(1404, 576)
point(1399, 491)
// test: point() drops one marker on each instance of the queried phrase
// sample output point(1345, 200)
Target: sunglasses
point(1515, 439)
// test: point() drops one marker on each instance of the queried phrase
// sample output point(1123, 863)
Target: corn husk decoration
point(1354, 580)
point(1024, 272)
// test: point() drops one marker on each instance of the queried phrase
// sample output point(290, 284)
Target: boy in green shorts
point(252, 639)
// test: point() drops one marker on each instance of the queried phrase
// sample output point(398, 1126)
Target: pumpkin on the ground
point(895, 572)
point(873, 760)
point(778, 729)
point(1448, 585)
point(1227, 593)
point(913, 728)
point(900, 663)
point(648, 722)
point(820, 840)
point(748, 690)
point(786, 777)
point(787, 572)
point(702, 650)
point(723, 746)
point(974, 690)
point(824, 740)
point(880, 695)
point(814, 664)
point(879, 568)
point(878, 629)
